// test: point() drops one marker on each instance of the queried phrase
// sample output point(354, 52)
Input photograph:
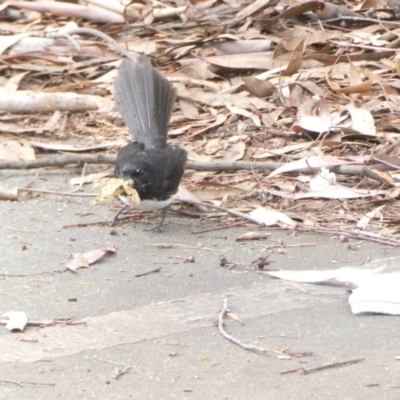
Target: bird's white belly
point(147, 205)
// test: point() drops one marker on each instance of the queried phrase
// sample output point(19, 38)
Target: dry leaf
point(271, 217)
point(90, 257)
point(15, 150)
point(113, 187)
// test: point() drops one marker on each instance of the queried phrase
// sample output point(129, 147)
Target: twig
point(121, 372)
point(217, 228)
point(306, 371)
point(361, 19)
point(27, 383)
point(68, 32)
point(363, 235)
point(172, 245)
point(113, 362)
point(83, 224)
point(227, 210)
point(73, 194)
point(148, 272)
point(50, 322)
point(229, 337)
point(7, 275)
point(118, 372)
point(272, 246)
point(363, 46)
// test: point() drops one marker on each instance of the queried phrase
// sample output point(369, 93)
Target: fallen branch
point(229, 337)
point(62, 161)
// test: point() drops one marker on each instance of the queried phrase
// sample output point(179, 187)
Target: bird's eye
point(139, 172)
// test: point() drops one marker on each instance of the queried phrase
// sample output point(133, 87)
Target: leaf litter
point(257, 82)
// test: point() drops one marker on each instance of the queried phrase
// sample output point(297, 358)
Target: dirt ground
point(154, 336)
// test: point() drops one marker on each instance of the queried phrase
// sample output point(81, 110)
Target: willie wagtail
point(145, 100)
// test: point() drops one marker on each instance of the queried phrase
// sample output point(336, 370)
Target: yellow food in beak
point(113, 187)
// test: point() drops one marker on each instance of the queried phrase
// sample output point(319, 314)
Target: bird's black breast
point(156, 172)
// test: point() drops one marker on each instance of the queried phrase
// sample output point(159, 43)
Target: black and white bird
point(145, 100)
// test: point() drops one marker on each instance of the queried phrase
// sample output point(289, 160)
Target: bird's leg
point(159, 228)
point(115, 218)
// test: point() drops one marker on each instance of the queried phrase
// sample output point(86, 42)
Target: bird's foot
point(116, 216)
point(159, 228)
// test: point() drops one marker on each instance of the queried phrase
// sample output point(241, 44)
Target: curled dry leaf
point(258, 87)
point(90, 257)
point(271, 217)
point(295, 60)
point(113, 187)
point(375, 213)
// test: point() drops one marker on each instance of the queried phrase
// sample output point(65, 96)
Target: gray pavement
point(162, 325)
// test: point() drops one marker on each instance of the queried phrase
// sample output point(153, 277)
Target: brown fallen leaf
point(15, 150)
point(258, 87)
point(90, 257)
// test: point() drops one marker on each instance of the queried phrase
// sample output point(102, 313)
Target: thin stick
point(362, 235)
point(227, 210)
point(272, 246)
point(49, 322)
point(73, 194)
point(217, 228)
point(172, 245)
point(148, 272)
point(84, 224)
point(68, 32)
point(121, 372)
point(306, 371)
point(27, 383)
point(229, 337)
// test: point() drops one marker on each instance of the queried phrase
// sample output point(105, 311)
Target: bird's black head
point(140, 172)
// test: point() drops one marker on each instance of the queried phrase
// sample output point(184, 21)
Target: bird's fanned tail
point(145, 100)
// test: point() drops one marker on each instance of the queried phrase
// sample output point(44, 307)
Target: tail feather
point(145, 100)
